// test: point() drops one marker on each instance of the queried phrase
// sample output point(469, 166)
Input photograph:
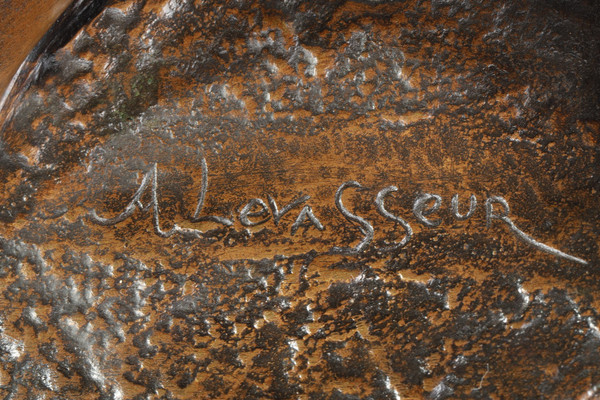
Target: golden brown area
point(24, 22)
point(461, 306)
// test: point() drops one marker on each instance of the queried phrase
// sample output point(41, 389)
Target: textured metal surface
point(333, 200)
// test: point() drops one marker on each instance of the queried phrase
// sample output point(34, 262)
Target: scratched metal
point(313, 200)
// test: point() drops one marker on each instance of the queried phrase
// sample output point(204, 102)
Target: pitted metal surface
point(338, 200)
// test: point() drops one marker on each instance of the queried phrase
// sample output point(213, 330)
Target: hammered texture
point(114, 287)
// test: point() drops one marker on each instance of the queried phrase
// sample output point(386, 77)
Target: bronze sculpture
point(306, 200)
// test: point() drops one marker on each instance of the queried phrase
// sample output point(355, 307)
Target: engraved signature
point(257, 212)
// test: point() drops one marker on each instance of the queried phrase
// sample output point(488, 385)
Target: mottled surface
point(287, 99)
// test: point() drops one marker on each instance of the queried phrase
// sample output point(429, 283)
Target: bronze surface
point(118, 282)
point(24, 22)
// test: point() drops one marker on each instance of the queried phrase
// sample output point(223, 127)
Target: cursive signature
point(257, 212)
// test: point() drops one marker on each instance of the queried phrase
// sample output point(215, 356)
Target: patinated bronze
point(24, 23)
point(304, 200)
